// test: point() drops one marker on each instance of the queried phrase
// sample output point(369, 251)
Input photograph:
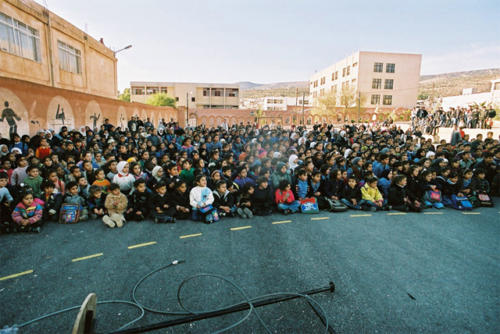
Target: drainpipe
point(46, 13)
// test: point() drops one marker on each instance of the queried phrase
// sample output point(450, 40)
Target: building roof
point(170, 84)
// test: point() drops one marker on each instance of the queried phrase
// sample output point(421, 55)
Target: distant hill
point(433, 85)
point(448, 84)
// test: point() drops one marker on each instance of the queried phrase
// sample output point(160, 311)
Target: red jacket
point(279, 196)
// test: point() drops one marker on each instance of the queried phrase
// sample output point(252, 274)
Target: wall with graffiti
point(28, 107)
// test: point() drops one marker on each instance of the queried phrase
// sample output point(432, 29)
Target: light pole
point(120, 50)
point(187, 106)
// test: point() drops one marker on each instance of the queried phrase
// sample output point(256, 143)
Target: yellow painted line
point(282, 222)
point(240, 228)
point(396, 213)
point(433, 213)
point(189, 236)
point(471, 213)
point(16, 275)
point(142, 245)
point(362, 215)
point(319, 218)
point(86, 257)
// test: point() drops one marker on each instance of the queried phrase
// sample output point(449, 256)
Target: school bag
point(484, 200)
point(69, 213)
point(462, 203)
point(337, 206)
point(309, 205)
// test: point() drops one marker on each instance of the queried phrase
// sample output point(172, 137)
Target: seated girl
point(284, 198)
point(28, 213)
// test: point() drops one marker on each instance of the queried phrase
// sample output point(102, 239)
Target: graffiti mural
point(14, 116)
point(59, 114)
point(93, 115)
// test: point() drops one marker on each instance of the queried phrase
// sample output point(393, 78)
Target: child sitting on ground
point(52, 200)
point(5, 203)
point(179, 199)
point(372, 196)
point(262, 198)
point(96, 202)
point(398, 196)
point(73, 197)
point(139, 202)
point(223, 200)
point(116, 204)
point(351, 194)
point(162, 211)
point(302, 186)
point(28, 213)
point(201, 199)
point(124, 179)
point(101, 181)
point(244, 204)
point(284, 198)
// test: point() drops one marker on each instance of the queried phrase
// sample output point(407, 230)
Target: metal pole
point(359, 106)
point(303, 120)
point(235, 308)
point(187, 108)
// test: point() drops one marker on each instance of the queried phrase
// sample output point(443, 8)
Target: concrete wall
point(37, 106)
point(466, 100)
point(98, 63)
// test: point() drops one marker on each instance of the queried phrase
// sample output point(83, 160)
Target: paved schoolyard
point(436, 272)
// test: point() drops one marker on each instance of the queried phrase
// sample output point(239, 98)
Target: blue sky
point(275, 40)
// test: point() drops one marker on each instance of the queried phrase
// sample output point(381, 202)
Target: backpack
point(69, 213)
point(462, 203)
point(309, 205)
point(337, 206)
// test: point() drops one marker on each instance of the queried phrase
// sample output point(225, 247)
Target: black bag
point(492, 113)
point(337, 206)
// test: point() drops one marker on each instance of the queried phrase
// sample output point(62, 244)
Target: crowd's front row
point(166, 197)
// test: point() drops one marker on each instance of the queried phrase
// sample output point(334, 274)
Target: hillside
point(444, 84)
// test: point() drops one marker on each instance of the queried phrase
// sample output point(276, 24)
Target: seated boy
point(116, 204)
point(372, 196)
point(96, 202)
point(139, 202)
point(223, 200)
point(162, 212)
point(73, 197)
point(53, 201)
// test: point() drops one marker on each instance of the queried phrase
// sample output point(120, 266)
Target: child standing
point(28, 213)
point(284, 198)
point(116, 204)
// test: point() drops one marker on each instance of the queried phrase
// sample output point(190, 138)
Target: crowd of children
point(170, 173)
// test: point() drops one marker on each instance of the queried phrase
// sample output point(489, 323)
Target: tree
point(125, 96)
point(327, 105)
point(347, 99)
point(161, 99)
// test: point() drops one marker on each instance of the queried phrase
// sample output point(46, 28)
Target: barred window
point(378, 67)
point(19, 39)
point(389, 83)
point(387, 100)
point(377, 83)
point(375, 99)
point(69, 58)
point(390, 68)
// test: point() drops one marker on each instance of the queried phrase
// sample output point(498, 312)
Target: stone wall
point(38, 107)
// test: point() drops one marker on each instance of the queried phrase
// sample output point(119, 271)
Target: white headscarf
point(120, 167)
point(291, 161)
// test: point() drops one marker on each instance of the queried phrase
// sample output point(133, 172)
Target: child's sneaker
point(248, 212)
point(36, 229)
point(119, 222)
point(241, 213)
point(52, 212)
point(373, 209)
point(108, 221)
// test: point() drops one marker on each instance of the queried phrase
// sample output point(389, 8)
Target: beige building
point(38, 46)
point(387, 80)
point(198, 95)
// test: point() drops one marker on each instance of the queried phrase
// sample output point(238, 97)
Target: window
point(206, 91)
point(19, 39)
point(354, 65)
point(378, 67)
point(348, 71)
point(343, 72)
point(377, 83)
point(217, 91)
point(232, 92)
point(315, 83)
point(387, 100)
point(389, 83)
point(353, 81)
point(69, 58)
point(333, 76)
point(137, 91)
point(323, 80)
point(375, 99)
point(164, 90)
point(315, 94)
point(193, 99)
point(151, 90)
point(390, 68)
point(177, 99)
point(497, 86)
point(333, 89)
point(336, 75)
point(269, 101)
point(322, 92)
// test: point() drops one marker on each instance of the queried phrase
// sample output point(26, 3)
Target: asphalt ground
point(434, 272)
